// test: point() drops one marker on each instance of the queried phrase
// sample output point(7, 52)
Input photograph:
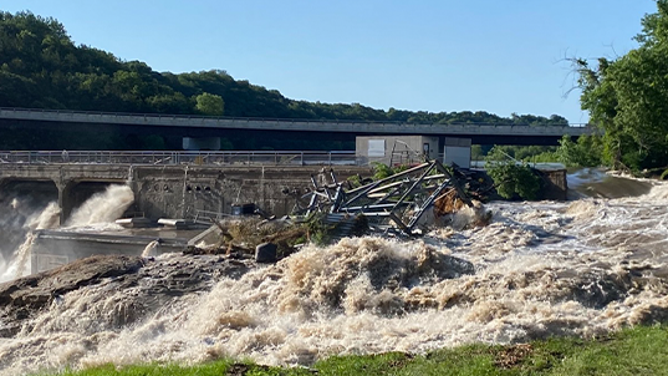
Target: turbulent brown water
point(582, 267)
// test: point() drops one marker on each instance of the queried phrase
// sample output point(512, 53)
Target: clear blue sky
point(490, 55)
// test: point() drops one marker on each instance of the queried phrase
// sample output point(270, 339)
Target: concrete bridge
point(203, 127)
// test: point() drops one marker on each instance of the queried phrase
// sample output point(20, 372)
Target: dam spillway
point(169, 191)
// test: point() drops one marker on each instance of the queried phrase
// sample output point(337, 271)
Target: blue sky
point(489, 55)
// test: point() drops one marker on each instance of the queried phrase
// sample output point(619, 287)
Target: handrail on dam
point(194, 158)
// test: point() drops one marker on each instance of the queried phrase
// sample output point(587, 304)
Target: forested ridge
point(41, 67)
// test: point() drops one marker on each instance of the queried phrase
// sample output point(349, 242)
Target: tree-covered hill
point(40, 66)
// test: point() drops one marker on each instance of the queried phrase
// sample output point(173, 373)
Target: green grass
point(639, 351)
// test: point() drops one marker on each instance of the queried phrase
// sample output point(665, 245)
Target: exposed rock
point(147, 285)
point(37, 290)
point(265, 253)
point(231, 250)
point(20, 299)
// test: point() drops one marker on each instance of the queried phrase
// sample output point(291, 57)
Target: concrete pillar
point(65, 200)
point(183, 194)
point(263, 192)
point(3, 184)
point(458, 151)
point(201, 143)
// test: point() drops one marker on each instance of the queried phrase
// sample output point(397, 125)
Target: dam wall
point(53, 248)
point(175, 192)
point(172, 191)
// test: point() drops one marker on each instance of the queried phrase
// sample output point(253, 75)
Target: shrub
point(511, 178)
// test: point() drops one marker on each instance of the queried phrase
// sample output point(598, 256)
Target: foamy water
point(151, 249)
point(539, 269)
point(97, 214)
point(17, 266)
point(102, 208)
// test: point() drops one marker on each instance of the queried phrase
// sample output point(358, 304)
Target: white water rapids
point(583, 267)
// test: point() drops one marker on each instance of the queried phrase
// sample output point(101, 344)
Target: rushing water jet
point(151, 249)
point(18, 264)
point(101, 208)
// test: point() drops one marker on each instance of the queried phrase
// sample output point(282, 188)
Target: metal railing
point(211, 158)
point(207, 216)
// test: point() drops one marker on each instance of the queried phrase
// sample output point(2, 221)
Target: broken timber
point(398, 201)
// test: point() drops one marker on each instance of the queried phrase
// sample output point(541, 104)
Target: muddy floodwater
point(582, 267)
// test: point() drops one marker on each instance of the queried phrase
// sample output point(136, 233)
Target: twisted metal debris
point(397, 202)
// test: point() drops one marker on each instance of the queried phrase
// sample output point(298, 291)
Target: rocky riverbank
point(148, 284)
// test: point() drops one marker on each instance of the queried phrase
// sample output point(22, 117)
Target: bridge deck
point(357, 127)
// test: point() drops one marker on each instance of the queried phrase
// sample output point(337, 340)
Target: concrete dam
point(175, 193)
point(168, 191)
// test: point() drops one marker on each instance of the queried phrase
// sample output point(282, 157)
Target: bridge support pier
point(65, 200)
point(201, 143)
point(457, 151)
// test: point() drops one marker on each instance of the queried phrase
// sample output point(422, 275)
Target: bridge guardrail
point(197, 158)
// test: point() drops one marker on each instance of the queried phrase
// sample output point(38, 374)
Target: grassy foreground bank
point(637, 351)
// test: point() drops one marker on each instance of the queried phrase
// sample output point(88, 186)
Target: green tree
point(512, 179)
point(586, 152)
point(210, 104)
point(628, 97)
point(476, 153)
